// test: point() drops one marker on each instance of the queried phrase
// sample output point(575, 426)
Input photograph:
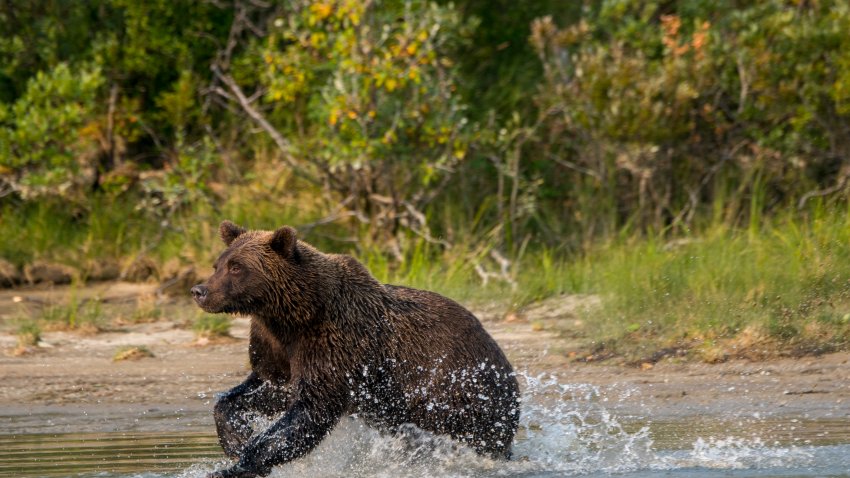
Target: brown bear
point(327, 339)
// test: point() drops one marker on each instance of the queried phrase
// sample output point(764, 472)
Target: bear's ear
point(283, 242)
point(229, 232)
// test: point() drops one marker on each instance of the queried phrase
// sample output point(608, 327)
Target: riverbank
point(74, 377)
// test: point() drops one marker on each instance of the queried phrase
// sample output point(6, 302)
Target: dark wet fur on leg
point(234, 411)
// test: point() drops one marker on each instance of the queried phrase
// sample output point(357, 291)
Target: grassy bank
point(779, 287)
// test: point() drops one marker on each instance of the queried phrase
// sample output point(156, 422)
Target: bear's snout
point(199, 293)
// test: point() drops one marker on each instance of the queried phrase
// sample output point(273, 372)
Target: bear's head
point(256, 274)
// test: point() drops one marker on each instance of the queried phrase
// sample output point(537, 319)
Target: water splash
point(732, 453)
point(565, 430)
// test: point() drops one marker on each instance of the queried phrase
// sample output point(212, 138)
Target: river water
point(566, 430)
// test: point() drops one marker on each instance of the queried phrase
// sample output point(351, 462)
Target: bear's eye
point(235, 268)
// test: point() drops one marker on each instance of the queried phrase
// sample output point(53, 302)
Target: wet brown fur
point(328, 339)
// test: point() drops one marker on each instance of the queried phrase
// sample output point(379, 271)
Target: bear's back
point(436, 323)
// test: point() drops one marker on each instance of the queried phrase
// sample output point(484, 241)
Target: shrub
point(208, 326)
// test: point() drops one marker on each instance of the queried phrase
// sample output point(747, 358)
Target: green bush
point(46, 134)
point(659, 115)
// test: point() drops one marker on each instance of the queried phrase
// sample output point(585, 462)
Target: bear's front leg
point(233, 472)
point(301, 428)
point(234, 410)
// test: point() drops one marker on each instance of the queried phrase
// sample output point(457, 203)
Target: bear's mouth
point(212, 306)
point(207, 305)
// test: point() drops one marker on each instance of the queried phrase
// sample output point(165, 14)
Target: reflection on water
point(769, 431)
point(565, 431)
point(70, 454)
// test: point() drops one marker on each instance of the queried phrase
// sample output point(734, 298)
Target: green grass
point(114, 229)
point(782, 287)
point(85, 315)
point(147, 310)
point(54, 230)
point(28, 333)
point(212, 326)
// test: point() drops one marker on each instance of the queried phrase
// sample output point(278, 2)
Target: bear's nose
point(199, 292)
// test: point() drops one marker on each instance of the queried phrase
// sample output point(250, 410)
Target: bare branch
point(331, 218)
point(575, 167)
point(484, 275)
point(339, 213)
point(504, 264)
point(278, 138)
point(283, 145)
point(838, 186)
point(222, 92)
point(503, 274)
point(257, 94)
point(745, 85)
point(7, 187)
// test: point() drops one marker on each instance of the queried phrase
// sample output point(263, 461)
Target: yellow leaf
point(321, 10)
point(317, 40)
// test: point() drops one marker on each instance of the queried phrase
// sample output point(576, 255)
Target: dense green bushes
point(647, 115)
point(662, 116)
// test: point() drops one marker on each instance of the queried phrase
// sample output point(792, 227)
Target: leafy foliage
point(46, 133)
point(408, 120)
point(366, 94)
point(660, 111)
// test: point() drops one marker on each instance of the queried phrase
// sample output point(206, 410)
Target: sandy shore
point(72, 383)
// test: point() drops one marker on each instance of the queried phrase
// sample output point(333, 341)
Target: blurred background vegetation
point(685, 160)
